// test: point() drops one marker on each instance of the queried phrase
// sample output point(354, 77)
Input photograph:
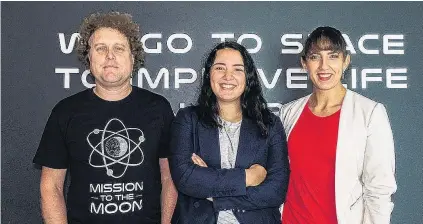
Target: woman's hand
point(198, 161)
point(255, 175)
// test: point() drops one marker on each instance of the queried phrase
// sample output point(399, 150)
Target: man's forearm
point(53, 207)
point(169, 197)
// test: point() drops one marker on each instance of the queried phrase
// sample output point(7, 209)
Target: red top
point(312, 152)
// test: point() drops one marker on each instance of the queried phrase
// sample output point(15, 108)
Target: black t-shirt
point(112, 151)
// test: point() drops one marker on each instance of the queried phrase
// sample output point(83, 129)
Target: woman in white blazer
point(340, 144)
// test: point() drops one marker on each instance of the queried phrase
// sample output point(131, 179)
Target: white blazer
point(365, 159)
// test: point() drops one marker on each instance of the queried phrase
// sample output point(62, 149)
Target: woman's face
point(227, 76)
point(325, 68)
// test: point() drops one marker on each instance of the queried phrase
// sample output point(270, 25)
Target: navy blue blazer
point(259, 204)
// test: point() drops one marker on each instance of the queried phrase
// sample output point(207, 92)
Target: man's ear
point(88, 58)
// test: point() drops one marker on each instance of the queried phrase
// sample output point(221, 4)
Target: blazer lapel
point(293, 115)
point(344, 164)
point(246, 153)
point(209, 146)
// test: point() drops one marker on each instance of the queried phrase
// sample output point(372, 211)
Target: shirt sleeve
point(52, 151)
point(168, 116)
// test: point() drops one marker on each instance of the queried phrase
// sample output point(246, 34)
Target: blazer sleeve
point(379, 169)
point(272, 192)
point(191, 179)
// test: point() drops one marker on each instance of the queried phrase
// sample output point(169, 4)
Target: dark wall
point(33, 62)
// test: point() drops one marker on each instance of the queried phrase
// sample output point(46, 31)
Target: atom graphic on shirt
point(116, 147)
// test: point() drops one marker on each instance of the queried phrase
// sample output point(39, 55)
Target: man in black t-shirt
point(113, 139)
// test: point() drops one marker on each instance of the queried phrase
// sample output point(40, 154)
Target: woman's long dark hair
point(253, 104)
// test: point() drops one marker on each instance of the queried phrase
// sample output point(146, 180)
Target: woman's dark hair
point(253, 104)
point(324, 38)
point(119, 21)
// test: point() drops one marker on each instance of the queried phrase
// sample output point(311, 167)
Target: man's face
point(111, 60)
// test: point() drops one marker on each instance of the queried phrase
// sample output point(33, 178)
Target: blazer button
point(196, 204)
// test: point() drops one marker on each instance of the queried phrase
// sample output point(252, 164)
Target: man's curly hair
point(120, 21)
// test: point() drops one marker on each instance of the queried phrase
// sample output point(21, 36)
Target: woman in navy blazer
point(229, 155)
